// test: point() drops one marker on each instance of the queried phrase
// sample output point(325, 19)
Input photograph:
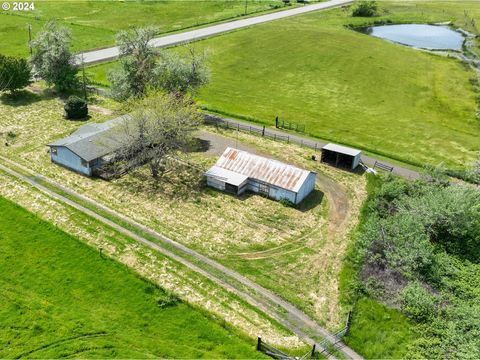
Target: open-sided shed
point(341, 156)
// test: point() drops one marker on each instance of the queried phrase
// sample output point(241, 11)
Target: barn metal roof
point(342, 149)
point(270, 171)
point(93, 141)
point(227, 176)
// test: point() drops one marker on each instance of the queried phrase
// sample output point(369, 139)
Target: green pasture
point(61, 298)
point(95, 23)
point(347, 87)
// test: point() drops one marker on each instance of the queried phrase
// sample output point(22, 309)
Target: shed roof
point(227, 176)
point(93, 141)
point(270, 171)
point(342, 149)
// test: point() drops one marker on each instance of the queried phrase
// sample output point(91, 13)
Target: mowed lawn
point(95, 23)
point(60, 298)
point(348, 87)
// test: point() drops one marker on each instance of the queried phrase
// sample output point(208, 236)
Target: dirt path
point(268, 302)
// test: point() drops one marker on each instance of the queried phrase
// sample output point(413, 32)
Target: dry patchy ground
point(295, 252)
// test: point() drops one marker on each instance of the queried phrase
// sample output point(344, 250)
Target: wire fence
point(260, 131)
point(323, 348)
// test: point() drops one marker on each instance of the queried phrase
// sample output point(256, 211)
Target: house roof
point(93, 141)
point(270, 171)
point(342, 149)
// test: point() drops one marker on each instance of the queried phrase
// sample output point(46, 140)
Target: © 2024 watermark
point(18, 6)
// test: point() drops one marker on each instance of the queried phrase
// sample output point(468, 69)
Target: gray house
point(89, 147)
point(237, 171)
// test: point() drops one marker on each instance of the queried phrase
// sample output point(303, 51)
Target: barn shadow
point(314, 199)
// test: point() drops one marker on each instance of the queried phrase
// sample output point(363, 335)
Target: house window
point(263, 189)
point(54, 151)
point(84, 163)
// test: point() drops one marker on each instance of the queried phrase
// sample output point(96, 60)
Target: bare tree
point(160, 126)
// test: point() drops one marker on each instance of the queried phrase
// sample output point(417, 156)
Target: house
point(341, 156)
point(237, 171)
point(89, 147)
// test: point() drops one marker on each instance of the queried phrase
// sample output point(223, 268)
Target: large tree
point(52, 59)
point(137, 59)
point(143, 67)
point(160, 126)
point(15, 73)
point(181, 74)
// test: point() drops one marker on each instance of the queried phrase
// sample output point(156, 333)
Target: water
point(422, 36)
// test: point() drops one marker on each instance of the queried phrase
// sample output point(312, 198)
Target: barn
point(237, 171)
point(341, 156)
point(89, 147)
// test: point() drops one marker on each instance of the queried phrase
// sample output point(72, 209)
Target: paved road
point(174, 39)
point(304, 141)
point(263, 299)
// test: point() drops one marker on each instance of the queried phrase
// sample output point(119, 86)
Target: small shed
point(237, 171)
point(341, 156)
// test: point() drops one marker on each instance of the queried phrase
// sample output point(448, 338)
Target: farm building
point(341, 156)
point(237, 171)
point(89, 147)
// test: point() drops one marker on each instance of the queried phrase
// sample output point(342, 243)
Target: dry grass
point(295, 253)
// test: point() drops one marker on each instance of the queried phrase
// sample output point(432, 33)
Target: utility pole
point(30, 39)
point(84, 80)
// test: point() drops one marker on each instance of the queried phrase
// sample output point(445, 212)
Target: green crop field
point(95, 23)
point(61, 298)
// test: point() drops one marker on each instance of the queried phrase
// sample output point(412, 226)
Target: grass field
point(294, 252)
point(95, 23)
point(61, 298)
point(348, 87)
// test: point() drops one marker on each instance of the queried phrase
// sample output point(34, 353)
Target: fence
point(323, 347)
point(282, 124)
point(260, 131)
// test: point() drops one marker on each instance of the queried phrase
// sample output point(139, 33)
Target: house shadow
point(20, 98)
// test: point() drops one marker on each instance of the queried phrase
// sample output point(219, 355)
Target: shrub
point(76, 108)
point(365, 9)
point(417, 302)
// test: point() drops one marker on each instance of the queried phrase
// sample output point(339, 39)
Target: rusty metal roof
point(263, 169)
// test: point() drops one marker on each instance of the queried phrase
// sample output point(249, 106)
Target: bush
point(417, 302)
point(365, 9)
point(76, 108)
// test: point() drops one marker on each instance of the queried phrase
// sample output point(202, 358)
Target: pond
point(431, 37)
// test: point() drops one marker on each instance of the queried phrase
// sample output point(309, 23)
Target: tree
point(52, 59)
point(137, 59)
point(15, 73)
point(365, 8)
point(143, 67)
point(160, 126)
point(180, 75)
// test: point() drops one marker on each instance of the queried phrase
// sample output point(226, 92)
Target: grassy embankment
point(348, 87)
point(95, 23)
point(62, 298)
point(296, 253)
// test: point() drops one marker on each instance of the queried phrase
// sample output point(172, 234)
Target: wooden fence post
point(313, 350)
point(259, 343)
point(263, 131)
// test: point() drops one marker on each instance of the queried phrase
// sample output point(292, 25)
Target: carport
point(341, 156)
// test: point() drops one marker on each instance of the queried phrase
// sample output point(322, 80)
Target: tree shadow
point(20, 98)
point(198, 145)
